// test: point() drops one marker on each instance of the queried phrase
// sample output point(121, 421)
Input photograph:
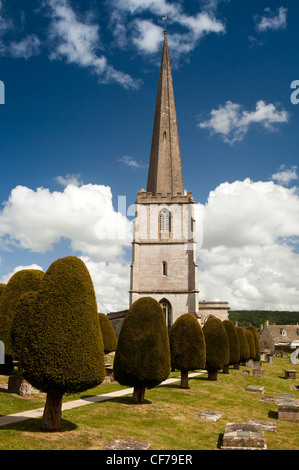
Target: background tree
point(63, 348)
point(244, 347)
point(21, 321)
point(142, 357)
point(234, 346)
point(20, 283)
point(187, 346)
point(250, 339)
point(256, 342)
point(108, 333)
point(2, 287)
point(217, 346)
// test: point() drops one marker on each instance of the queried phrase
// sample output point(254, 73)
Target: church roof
point(165, 168)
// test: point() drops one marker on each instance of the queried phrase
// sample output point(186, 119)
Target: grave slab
point(254, 388)
point(126, 444)
point(269, 426)
point(243, 436)
point(210, 415)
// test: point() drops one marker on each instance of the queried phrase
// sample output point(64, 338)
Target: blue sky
point(80, 84)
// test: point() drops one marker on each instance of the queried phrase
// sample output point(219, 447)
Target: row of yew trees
point(49, 323)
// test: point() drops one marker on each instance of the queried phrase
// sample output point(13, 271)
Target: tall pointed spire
point(165, 169)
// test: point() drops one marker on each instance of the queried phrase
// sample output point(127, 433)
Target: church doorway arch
point(166, 306)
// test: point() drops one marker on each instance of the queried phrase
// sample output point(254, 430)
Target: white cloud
point(250, 230)
point(233, 122)
point(27, 47)
point(147, 34)
point(78, 42)
point(272, 21)
point(37, 220)
point(285, 175)
point(74, 179)
point(131, 163)
point(111, 283)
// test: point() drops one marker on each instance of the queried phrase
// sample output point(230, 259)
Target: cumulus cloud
point(250, 235)
point(74, 179)
point(7, 277)
point(271, 21)
point(37, 220)
point(285, 175)
point(233, 122)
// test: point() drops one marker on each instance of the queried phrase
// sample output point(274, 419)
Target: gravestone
point(210, 415)
point(268, 399)
point(17, 384)
point(294, 357)
point(288, 410)
point(258, 372)
point(269, 426)
point(126, 444)
point(290, 374)
point(246, 372)
point(270, 358)
point(254, 388)
point(242, 436)
point(286, 396)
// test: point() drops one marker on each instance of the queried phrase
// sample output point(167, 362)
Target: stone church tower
point(164, 244)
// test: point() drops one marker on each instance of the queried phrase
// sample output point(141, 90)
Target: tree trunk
point(138, 395)
point(237, 365)
point(184, 379)
point(52, 413)
point(226, 369)
point(212, 374)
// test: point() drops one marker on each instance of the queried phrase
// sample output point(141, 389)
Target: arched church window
point(165, 221)
point(164, 268)
point(164, 136)
point(167, 311)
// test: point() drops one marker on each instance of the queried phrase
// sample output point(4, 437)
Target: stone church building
point(164, 242)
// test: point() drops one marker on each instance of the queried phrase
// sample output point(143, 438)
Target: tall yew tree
point(187, 346)
point(234, 346)
point(217, 346)
point(63, 347)
point(142, 357)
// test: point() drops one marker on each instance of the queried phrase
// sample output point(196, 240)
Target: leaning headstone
point(254, 388)
point(258, 372)
point(210, 415)
point(17, 384)
point(288, 410)
point(269, 426)
point(126, 444)
point(242, 436)
point(250, 363)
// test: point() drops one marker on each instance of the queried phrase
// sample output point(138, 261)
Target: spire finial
point(165, 27)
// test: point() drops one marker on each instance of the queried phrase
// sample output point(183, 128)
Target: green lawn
point(166, 420)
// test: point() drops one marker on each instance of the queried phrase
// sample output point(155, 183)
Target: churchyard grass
point(167, 418)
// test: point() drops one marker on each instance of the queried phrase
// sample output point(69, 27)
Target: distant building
point(279, 338)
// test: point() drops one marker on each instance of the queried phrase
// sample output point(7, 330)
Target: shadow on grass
point(34, 425)
point(273, 414)
point(129, 401)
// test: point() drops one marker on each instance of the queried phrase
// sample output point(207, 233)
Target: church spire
point(165, 168)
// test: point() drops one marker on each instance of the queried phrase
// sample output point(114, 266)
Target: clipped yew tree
point(2, 287)
point(250, 339)
point(256, 342)
point(217, 346)
point(234, 346)
point(63, 348)
point(142, 357)
point(244, 347)
point(21, 321)
point(109, 336)
point(187, 346)
point(20, 283)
